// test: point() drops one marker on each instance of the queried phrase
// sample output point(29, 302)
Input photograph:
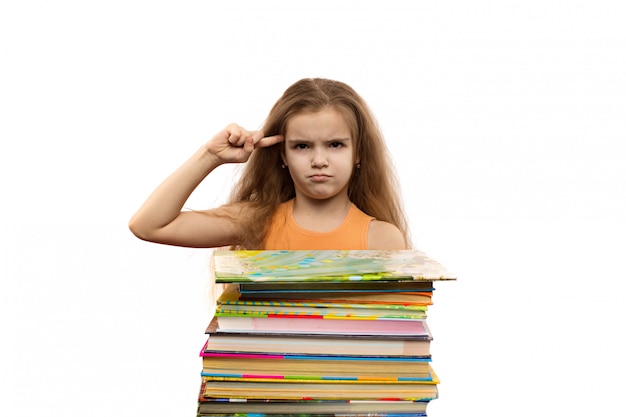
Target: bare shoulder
point(384, 235)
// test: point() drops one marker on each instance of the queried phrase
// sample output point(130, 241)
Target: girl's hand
point(236, 144)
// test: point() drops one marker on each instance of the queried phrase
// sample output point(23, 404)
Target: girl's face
point(319, 153)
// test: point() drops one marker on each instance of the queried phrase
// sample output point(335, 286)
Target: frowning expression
point(319, 152)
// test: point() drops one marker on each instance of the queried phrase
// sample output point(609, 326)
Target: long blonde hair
point(264, 183)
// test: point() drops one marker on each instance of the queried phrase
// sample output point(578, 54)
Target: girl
point(317, 176)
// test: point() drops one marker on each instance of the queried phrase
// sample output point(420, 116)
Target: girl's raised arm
point(160, 218)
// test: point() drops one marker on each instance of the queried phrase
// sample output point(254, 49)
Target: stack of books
point(320, 333)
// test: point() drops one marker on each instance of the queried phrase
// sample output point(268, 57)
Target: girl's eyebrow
point(325, 140)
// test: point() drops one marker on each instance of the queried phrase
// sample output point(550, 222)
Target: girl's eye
point(301, 146)
point(336, 144)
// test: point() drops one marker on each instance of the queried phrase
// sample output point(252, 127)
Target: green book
point(326, 265)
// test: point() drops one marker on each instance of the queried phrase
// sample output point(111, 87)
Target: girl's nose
point(319, 159)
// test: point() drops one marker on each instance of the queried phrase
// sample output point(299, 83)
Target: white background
point(506, 121)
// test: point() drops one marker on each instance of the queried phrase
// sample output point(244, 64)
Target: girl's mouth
point(319, 177)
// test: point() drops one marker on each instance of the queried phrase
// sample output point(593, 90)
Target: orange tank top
point(285, 234)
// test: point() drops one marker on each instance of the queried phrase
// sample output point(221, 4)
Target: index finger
point(269, 141)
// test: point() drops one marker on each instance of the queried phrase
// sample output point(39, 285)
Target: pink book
point(320, 325)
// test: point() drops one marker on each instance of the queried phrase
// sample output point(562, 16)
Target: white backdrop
point(506, 123)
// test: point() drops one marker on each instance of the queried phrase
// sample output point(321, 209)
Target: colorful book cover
point(321, 390)
point(229, 407)
point(327, 346)
point(326, 265)
point(201, 414)
point(334, 359)
point(344, 286)
point(322, 325)
point(309, 379)
point(231, 296)
point(230, 304)
point(317, 312)
point(299, 368)
point(242, 328)
point(360, 297)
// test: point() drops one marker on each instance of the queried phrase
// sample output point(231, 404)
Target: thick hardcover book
point(231, 303)
point(344, 311)
point(203, 414)
point(336, 287)
point(303, 325)
point(375, 298)
point(296, 414)
point(314, 367)
point(306, 345)
point(326, 265)
point(321, 390)
point(267, 407)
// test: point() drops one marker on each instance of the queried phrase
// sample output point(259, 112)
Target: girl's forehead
point(328, 119)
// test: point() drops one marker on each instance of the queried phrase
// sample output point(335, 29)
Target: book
point(367, 292)
point(364, 414)
point(370, 297)
point(322, 311)
point(310, 367)
point(233, 293)
point(321, 390)
point(321, 345)
point(232, 302)
point(223, 406)
point(269, 288)
point(326, 265)
point(280, 324)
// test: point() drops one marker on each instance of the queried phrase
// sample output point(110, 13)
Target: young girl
point(317, 176)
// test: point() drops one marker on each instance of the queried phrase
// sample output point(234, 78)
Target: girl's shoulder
point(385, 236)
